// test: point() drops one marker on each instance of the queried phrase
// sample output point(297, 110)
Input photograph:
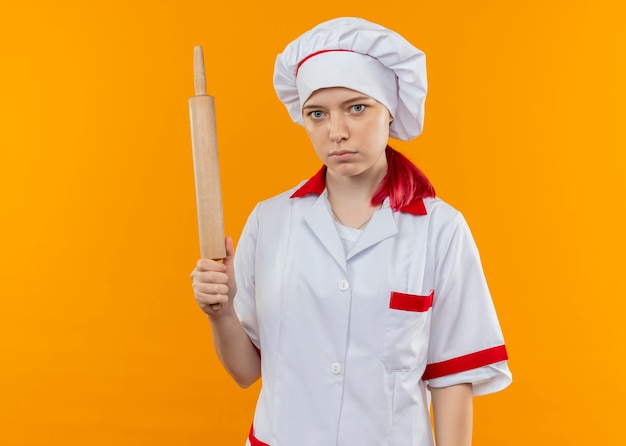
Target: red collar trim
point(317, 183)
point(415, 207)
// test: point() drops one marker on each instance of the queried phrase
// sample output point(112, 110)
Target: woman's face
point(349, 130)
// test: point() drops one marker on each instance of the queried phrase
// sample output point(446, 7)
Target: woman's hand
point(214, 283)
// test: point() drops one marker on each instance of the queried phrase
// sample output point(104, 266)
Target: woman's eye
point(316, 114)
point(358, 108)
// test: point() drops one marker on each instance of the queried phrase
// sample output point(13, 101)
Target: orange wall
point(100, 340)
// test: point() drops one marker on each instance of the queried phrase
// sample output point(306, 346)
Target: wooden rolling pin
point(206, 167)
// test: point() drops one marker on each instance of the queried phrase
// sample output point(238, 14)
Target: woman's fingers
point(210, 288)
point(209, 265)
point(210, 284)
point(214, 281)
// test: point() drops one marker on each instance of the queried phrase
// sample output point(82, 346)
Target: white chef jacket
point(350, 341)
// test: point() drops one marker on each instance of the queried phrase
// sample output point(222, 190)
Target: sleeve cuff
point(487, 379)
point(466, 362)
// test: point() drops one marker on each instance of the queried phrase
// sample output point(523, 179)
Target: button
point(336, 368)
point(343, 285)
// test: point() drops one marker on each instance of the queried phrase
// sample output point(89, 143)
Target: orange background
point(101, 342)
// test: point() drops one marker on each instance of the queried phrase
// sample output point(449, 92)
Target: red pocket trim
point(411, 302)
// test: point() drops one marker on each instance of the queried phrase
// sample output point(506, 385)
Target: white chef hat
point(360, 55)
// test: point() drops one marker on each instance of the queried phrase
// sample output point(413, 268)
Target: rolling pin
point(206, 167)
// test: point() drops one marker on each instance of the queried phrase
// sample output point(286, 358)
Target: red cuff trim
point(466, 362)
point(253, 440)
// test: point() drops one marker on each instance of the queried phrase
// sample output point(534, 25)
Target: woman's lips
point(342, 154)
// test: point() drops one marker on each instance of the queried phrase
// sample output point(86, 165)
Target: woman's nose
point(338, 130)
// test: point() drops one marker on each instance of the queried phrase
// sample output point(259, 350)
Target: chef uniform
point(354, 325)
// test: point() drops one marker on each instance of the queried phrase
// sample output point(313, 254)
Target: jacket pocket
point(407, 331)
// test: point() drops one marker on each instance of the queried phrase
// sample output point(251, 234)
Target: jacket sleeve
point(245, 269)
point(466, 343)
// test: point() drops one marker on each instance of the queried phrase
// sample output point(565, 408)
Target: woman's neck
point(351, 196)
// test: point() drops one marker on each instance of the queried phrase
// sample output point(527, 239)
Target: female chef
point(358, 295)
